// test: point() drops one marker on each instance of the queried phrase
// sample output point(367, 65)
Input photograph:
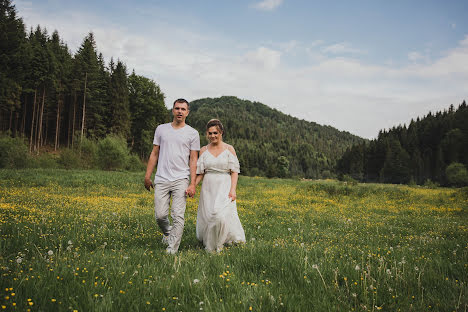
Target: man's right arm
point(152, 161)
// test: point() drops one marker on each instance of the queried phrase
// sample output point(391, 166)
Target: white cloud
point(263, 57)
point(341, 48)
point(267, 5)
point(415, 56)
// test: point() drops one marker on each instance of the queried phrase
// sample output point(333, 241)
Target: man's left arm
point(193, 173)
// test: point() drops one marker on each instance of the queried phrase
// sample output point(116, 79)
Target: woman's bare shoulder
point(203, 149)
point(231, 148)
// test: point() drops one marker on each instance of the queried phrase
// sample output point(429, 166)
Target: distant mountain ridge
point(271, 143)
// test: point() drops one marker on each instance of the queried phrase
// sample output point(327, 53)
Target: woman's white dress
point(217, 219)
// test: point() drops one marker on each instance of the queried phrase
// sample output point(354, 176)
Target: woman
point(217, 219)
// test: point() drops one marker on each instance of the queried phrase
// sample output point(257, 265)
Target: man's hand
point(190, 191)
point(148, 184)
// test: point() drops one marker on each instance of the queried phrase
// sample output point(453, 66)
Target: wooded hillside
point(271, 143)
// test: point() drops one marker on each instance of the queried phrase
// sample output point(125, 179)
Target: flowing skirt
point(217, 219)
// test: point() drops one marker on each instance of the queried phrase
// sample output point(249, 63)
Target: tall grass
point(88, 241)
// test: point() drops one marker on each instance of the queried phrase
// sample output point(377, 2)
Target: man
point(175, 150)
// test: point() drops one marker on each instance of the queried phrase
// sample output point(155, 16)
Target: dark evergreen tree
point(12, 41)
point(88, 96)
point(147, 111)
point(119, 111)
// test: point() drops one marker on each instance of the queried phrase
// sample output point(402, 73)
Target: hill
point(271, 143)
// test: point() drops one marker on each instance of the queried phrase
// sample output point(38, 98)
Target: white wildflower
point(70, 242)
point(357, 267)
point(195, 281)
point(50, 252)
point(314, 266)
point(19, 260)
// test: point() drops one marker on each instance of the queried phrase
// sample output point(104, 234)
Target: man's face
point(180, 111)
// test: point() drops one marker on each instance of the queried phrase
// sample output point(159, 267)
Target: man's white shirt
point(174, 151)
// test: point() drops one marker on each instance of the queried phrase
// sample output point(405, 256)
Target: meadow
point(88, 241)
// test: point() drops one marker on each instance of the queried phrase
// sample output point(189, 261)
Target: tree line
point(53, 97)
point(433, 148)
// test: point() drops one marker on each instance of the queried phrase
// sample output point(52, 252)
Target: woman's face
point(214, 135)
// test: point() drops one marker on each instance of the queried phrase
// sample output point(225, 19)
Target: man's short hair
point(181, 101)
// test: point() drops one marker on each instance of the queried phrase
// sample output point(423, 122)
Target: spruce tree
point(12, 41)
point(119, 102)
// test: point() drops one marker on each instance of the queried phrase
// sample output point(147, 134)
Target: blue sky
point(359, 66)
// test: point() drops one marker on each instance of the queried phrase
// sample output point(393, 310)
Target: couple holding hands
point(175, 151)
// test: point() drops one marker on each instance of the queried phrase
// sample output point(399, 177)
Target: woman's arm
point(232, 193)
point(199, 178)
point(234, 177)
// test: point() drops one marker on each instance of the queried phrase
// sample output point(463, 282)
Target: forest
point(430, 149)
point(51, 96)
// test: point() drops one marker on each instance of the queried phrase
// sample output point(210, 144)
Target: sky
point(359, 66)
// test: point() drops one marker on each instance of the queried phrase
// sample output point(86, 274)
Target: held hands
point(148, 184)
point(232, 195)
point(190, 191)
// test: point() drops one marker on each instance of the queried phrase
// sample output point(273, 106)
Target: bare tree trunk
point(57, 121)
point(11, 118)
point(39, 134)
point(69, 127)
point(32, 123)
point(36, 130)
point(84, 108)
point(16, 126)
point(46, 124)
point(23, 121)
point(74, 117)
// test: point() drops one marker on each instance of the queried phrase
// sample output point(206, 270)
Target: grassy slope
point(311, 246)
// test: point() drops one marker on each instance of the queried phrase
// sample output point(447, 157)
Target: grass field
point(88, 241)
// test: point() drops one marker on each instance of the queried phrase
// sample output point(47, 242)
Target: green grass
point(88, 241)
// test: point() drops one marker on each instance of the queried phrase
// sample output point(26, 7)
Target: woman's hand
point(232, 195)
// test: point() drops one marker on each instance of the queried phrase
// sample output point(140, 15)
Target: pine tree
point(86, 82)
point(62, 70)
point(119, 102)
point(147, 109)
point(12, 41)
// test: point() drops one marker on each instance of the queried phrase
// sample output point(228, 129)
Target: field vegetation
point(75, 240)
